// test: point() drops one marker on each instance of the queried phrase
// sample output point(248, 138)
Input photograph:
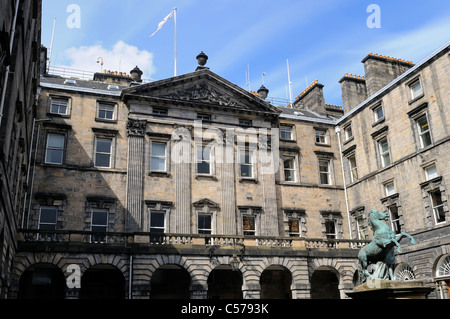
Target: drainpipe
point(338, 132)
point(8, 67)
point(30, 160)
point(130, 276)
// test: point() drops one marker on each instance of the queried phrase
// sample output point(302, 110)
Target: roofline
point(393, 83)
point(79, 89)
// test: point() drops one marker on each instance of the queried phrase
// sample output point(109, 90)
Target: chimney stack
point(312, 99)
point(354, 91)
point(381, 70)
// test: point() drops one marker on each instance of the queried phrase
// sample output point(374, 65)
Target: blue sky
point(323, 39)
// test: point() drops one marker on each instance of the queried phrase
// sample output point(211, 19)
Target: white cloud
point(122, 58)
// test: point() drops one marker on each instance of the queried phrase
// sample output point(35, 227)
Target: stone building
point(20, 39)
point(191, 187)
point(395, 149)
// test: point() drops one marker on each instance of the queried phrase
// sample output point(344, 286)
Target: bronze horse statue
point(381, 250)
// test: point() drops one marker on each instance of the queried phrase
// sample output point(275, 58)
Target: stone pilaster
point(182, 163)
point(268, 163)
point(136, 132)
point(228, 187)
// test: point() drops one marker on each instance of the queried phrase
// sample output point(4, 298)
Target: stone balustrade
point(152, 239)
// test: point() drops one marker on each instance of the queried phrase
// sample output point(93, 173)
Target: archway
point(224, 283)
point(170, 282)
point(276, 283)
point(42, 282)
point(325, 284)
point(102, 282)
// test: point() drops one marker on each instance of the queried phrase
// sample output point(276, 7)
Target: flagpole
point(175, 46)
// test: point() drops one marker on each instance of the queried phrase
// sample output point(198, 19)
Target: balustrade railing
point(90, 238)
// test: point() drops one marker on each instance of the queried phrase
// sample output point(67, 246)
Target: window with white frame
point(286, 133)
point(204, 222)
point(395, 218)
point(389, 188)
point(99, 224)
point(325, 171)
point(106, 111)
point(55, 149)
point(331, 224)
point(157, 222)
point(250, 220)
point(158, 160)
point(294, 227)
point(204, 160)
point(416, 89)
point(59, 106)
point(294, 221)
point(360, 228)
point(378, 113)
point(249, 225)
point(384, 151)
point(431, 172)
point(48, 218)
point(330, 229)
point(290, 169)
point(321, 136)
point(246, 162)
point(159, 216)
point(437, 206)
point(103, 152)
point(423, 129)
point(348, 132)
point(353, 168)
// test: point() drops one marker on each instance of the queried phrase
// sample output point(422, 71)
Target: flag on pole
point(161, 24)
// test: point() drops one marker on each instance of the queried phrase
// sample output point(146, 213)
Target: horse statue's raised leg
point(401, 235)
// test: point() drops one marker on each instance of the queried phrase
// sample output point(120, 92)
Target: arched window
point(403, 272)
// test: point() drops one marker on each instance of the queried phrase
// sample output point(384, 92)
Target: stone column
point(182, 162)
point(136, 132)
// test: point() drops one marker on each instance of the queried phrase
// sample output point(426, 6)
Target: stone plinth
point(386, 289)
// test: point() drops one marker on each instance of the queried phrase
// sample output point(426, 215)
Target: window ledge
point(416, 99)
point(349, 140)
point(379, 121)
point(323, 144)
point(206, 176)
point(64, 116)
point(106, 121)
point(433, 180)
point(248, 180)
point(159, 174)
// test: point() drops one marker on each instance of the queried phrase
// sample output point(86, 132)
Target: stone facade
point(410, 182)
point(169, 185)
point(19, 80)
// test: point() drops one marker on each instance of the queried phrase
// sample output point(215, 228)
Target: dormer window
point(70, 82)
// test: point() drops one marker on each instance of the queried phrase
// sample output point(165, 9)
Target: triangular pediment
point(201, 87)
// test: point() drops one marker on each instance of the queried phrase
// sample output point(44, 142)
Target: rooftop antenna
point(290, 84)
point(51, 46)
point(247, 78)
